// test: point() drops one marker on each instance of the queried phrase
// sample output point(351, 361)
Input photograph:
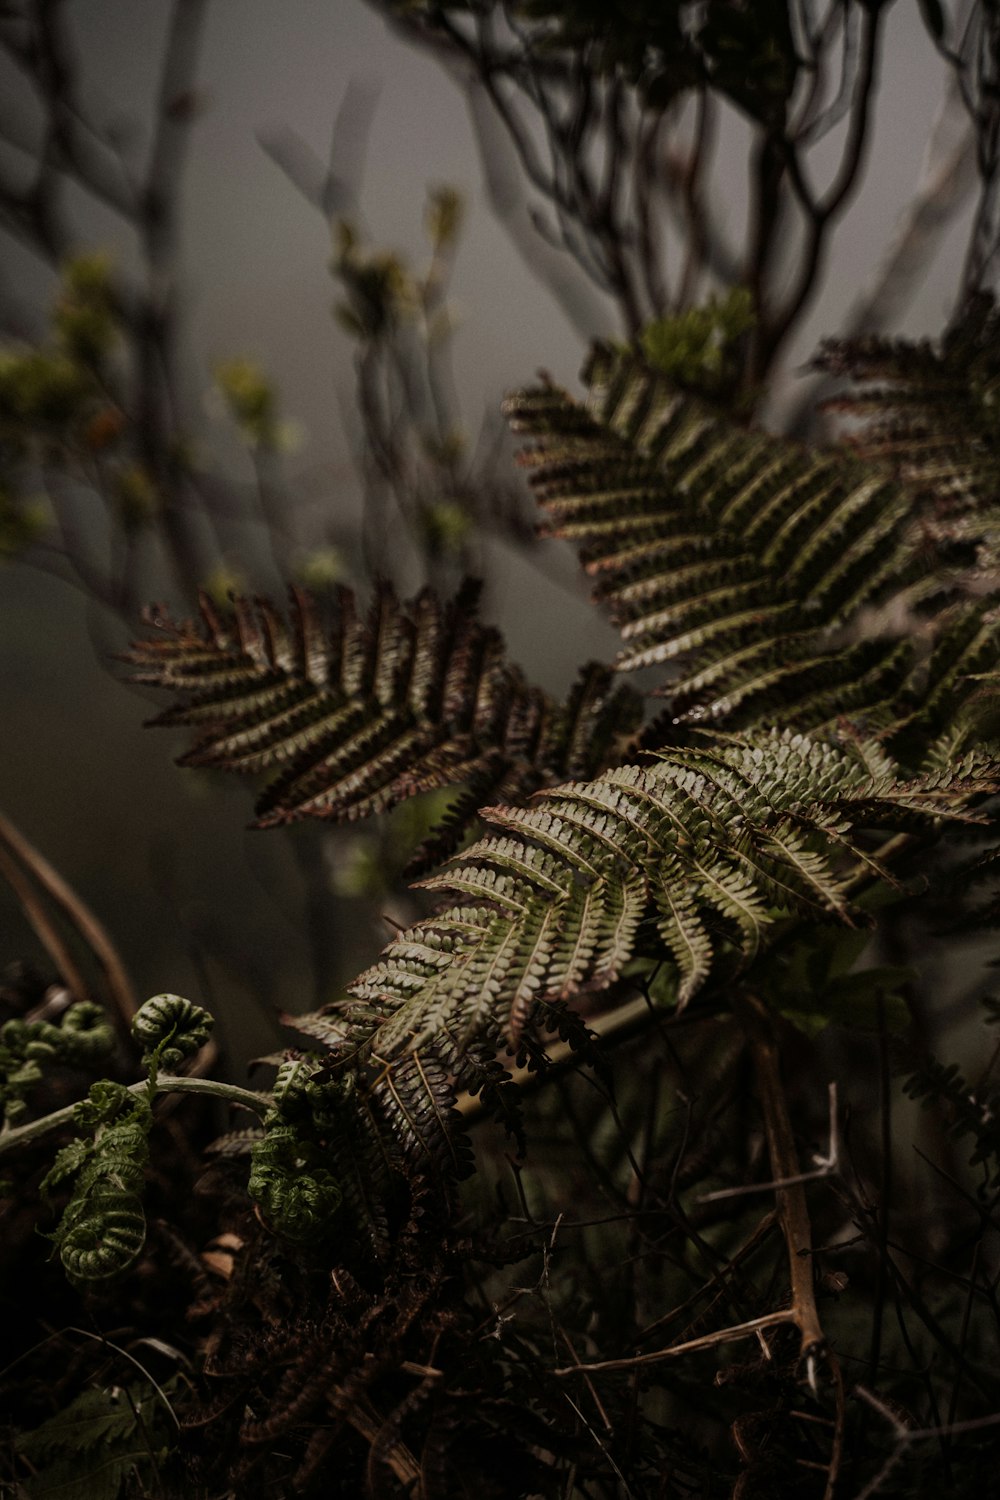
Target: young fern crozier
point(102, 1229)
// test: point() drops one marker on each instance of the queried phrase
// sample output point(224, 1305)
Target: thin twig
point(907, 1436)
point(791, 1200)
point(610, 1026)
point(825, 1165)
point(882, 1270)
point(822, 213)
point(608, 1427)
point(691, 1346)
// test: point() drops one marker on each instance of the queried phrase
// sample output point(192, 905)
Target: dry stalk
point(790, 1195)
point(20, 853)
point(793, 1212)
point(42, 925)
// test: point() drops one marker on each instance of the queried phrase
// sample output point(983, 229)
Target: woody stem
point(790, 1199)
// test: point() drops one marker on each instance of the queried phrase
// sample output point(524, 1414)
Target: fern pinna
point(793, 591)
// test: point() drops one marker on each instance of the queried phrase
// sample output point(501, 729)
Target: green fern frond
point(82, 1039)
point(355, 714)
point(704, 851)
point(930, 411)
point(170, 1029)
point(349, 1140)
point(235, 1142)
point(778, 584)
point(971, 1113)
point(88, 1450)
point(701, 858)
point(103, 1227)
point(95, 1418)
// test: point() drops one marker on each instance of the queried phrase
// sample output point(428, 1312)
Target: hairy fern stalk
point(823, 650)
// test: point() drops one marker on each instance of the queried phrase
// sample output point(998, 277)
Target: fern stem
point(165, 1084)
point(705, 1341)
point(793, 1213)
point(45, 929)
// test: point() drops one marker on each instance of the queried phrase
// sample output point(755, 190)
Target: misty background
point(195, 902)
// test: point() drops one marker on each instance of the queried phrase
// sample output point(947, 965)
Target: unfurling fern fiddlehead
point(103, 1227)
point(298, 1194)
point(170, 1029)
point(83, 1039)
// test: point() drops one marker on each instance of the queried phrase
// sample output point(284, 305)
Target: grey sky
point(255, 261)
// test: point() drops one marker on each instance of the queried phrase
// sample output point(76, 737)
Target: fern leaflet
point(747, 564)
point(355, 714)
point(703, 851)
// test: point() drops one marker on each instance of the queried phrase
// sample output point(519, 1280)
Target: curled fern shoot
point(83, 1038)
point(297, 1194)
point(103, 1227)
point(170, 1029)
point(289, 1169)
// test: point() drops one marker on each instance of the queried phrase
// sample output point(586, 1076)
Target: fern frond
point(971, 1112)
point(103, 1227)
point(700, 857)
point(170, 1029)
point(930, 410)
point(88, 1450)
point(707, 849)
point(356, 714)
point(82, 1039)
point(752, 567)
